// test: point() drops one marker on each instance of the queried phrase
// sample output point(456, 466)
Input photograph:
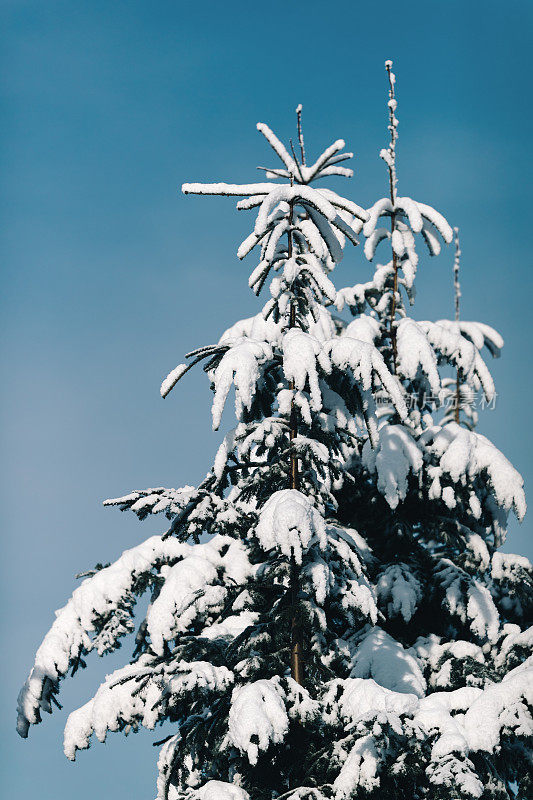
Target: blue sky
point(110, 274)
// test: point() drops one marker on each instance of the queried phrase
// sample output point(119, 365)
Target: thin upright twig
point(300, 131)
point(296, 162)
point(393, 180)
point(457, 299)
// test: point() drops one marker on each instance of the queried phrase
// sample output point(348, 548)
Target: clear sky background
point(110, 274)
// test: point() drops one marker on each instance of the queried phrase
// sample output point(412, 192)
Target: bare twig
point(300, 131)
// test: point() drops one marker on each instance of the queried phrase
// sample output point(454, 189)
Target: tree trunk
point(297, 669)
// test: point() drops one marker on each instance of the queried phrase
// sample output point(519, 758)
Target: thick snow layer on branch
point(415, 213)
point(437, 220)
point(221, 458)
point(372, 241)
point(138, 694)
point(378, 656)
point(190, 590)
point(70, 636)
point(502, 705)
point(456, 349)
point(164, 767)
point(364, 361)
point(257, 717)
point(266, 330)
point(381, 208)
point(231, 626)
point(410, 217)
point(364, 328)
point(415, 353)
point(481, 610)
point(340, 575)
point(219, 790)
point(349, 206)
point(459, 722)
point(301, 352)
point(309, 269)
point(257, 328)
point(239, 366)
point(411, 211)
point(325, 157)
point(193, 589)
point(353, 590)
point(508, 566)
point(290, 522)
point(464, 454)
point(323, 327)
point(439, 657)
point(478, 333)
point(468, 599)
point(359, 769)
point(330, 239)
point(515, 638)
point(362, 698)
point(293, 194)
point(449, 765)
point(396, 456)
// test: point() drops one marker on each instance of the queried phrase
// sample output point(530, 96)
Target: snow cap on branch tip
point(257, 717)
point(396, 456)
point(301, 353)
point(299, 108)
point(290, 523)
point(240, 366)
point(172, 379)
point(219, 790)
point(388, 63)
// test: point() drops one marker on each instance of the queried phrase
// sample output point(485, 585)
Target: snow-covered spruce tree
point(431, 502)
point(244, 644)
point(349, 629)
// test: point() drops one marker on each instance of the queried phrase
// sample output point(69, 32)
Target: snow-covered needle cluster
point(329, 614)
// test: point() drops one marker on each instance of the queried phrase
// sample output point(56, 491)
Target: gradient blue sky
point(110, 274)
